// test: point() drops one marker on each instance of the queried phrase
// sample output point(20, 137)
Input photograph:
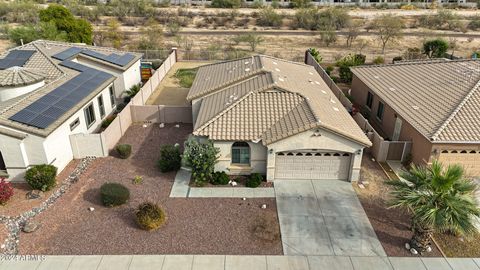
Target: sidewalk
point(228, 262)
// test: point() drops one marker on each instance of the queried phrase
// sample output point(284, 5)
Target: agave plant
point(439, 200)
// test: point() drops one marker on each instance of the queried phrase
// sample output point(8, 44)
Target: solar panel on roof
point(16, 58)
point(53, 105)
point(64, 55)
point(119, 60)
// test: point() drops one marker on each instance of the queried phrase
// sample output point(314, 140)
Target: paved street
point(221, 262)
point(324, 218)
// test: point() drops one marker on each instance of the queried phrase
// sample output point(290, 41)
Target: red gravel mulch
point(392, 226)
point(18, 203)
point(193, 226)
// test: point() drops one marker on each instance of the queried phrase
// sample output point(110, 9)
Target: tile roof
point(19, 76)
point(438, 98)
point(267, 99)
point(55, 75)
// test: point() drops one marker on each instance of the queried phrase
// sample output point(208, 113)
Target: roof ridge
point(227, 85)
point(411, 63)
point(455, 111)
point(47, 57)
point(230, 107)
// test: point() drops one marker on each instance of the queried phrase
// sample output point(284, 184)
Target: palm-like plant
point(440, 200)
point(133, 90)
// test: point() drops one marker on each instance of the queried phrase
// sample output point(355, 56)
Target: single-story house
point(50, 90)
point(434, 104)
point(277, 118)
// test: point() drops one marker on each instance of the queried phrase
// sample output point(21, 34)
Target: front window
point(89, 115)
point(380, 110)
point(369, 100)
point(241, 153)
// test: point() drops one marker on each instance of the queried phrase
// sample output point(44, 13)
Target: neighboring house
point(50, 90)
point(275, 117)
point(434, 104)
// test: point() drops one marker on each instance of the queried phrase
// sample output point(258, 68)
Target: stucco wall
point(258, 157)
point(306, 141)
point(421, 146)
point(7, 93)
point(196, 105)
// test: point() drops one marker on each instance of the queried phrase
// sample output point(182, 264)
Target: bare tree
point(389, 28)
point(352, 32)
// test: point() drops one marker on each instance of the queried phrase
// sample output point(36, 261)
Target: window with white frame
point(111, 91)
point(89, 115)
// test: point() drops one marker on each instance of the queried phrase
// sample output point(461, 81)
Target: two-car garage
point(312, 165)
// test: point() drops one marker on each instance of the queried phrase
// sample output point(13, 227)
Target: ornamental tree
point(201, 157)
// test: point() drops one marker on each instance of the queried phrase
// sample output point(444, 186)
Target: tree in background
point(253, 40)
point(42, 30)
point(346, 63)
point(435, 48)
point(152, 36)
point(113, 35)
point(126, 8)
point(389, 29)
point(77, 30)
point(439, 200)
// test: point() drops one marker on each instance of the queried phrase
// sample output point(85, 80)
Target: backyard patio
point(193, 226)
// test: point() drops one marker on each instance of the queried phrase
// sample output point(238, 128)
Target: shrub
point(346, 62)
point(254, 180)
point(170, 159)
point(329, 70)
point(41, 177)
point(137, 180)
point(150, 216)
point(201, 157)
point(435, 48)
point(108, 121)
point(220, 178)
point(226, 3)
point(114, 194)
point(474, 24)
point(315, 54)
point(378, 60)
point(124, 150)
point(269, 17)
point(6, 191)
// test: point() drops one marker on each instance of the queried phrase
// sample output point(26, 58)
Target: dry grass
point(266, 228)
point(454, 246)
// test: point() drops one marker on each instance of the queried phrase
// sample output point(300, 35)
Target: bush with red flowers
point(6, 191)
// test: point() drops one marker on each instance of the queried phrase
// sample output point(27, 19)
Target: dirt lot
point(392, 226)
point(194, 226)
point(169, 91)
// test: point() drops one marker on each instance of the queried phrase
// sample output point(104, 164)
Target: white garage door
point(312, 165)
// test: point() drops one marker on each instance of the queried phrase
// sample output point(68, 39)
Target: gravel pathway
point(194, 226)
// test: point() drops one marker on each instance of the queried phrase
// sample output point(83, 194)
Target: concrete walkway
point(324, 218)
point(181, 189)
point(222, 262)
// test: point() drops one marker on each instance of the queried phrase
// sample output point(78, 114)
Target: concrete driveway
point(324, 218)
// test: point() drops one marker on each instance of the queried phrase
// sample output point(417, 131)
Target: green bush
point(114, 194)
point(226, 3)
point(378, 60)
point(170, 159)
point(124, 150)
point(41, 177)
point(150, 216)
point(254, 180)
point(269, 17)
point(108, 120)
point(201, 157)
point(220, 178)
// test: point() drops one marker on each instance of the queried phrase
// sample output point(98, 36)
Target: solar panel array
point(16, 58)
point(53, 105)
point(119, 60)
point(67, 53)
point(116, 59)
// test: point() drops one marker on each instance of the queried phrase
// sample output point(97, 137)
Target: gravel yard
point(392, 226)
point(19, 203)
point(194, 226)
